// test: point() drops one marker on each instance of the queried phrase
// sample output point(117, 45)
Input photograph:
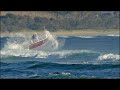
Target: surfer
point(34, 38)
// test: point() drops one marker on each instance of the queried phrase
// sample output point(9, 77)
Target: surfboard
point(37, 44)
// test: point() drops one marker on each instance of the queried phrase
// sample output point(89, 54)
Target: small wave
point(2, 36)
point(109, 57)
point(58, 73)
point(114, 35)
point(86, 36)
point(64, 36)
point(3, 64)
point(61, 75)
point(68, 53)
point(77, 36)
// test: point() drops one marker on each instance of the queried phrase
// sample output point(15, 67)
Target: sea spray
point(17, 45)
point(52, 43)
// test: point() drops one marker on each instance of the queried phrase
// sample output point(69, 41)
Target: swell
point(55, 68)
point(36, 69)
point(74, 66)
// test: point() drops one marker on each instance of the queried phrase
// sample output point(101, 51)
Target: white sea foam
point(113, 35)
point(25, 53)
point(66, 73)
point(78, 36)
point(1, 36)
point(64, 36)
point(109, 57)
point(60, 73)
point(86, 36)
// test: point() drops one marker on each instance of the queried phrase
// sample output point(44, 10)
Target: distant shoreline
point(67, 33)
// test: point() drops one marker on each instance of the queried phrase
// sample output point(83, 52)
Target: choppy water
point(76, 57)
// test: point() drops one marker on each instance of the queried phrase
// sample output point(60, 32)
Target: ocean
point(76, 57)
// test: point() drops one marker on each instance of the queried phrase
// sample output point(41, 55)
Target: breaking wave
point(77, 36)
point(81, 56)
point(109, 57)
point(18, 45)
point(42, 54)
point(87, 36)
point(114, 35)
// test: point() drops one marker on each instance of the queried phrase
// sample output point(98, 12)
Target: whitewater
point(63, 57)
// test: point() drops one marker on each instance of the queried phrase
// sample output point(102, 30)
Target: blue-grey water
point(77, 57)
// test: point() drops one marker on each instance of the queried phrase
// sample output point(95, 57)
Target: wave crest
point(109, 57)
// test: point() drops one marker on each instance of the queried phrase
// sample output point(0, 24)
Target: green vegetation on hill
point(56, 20)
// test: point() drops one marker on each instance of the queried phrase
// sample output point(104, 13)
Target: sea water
point(76, 57)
